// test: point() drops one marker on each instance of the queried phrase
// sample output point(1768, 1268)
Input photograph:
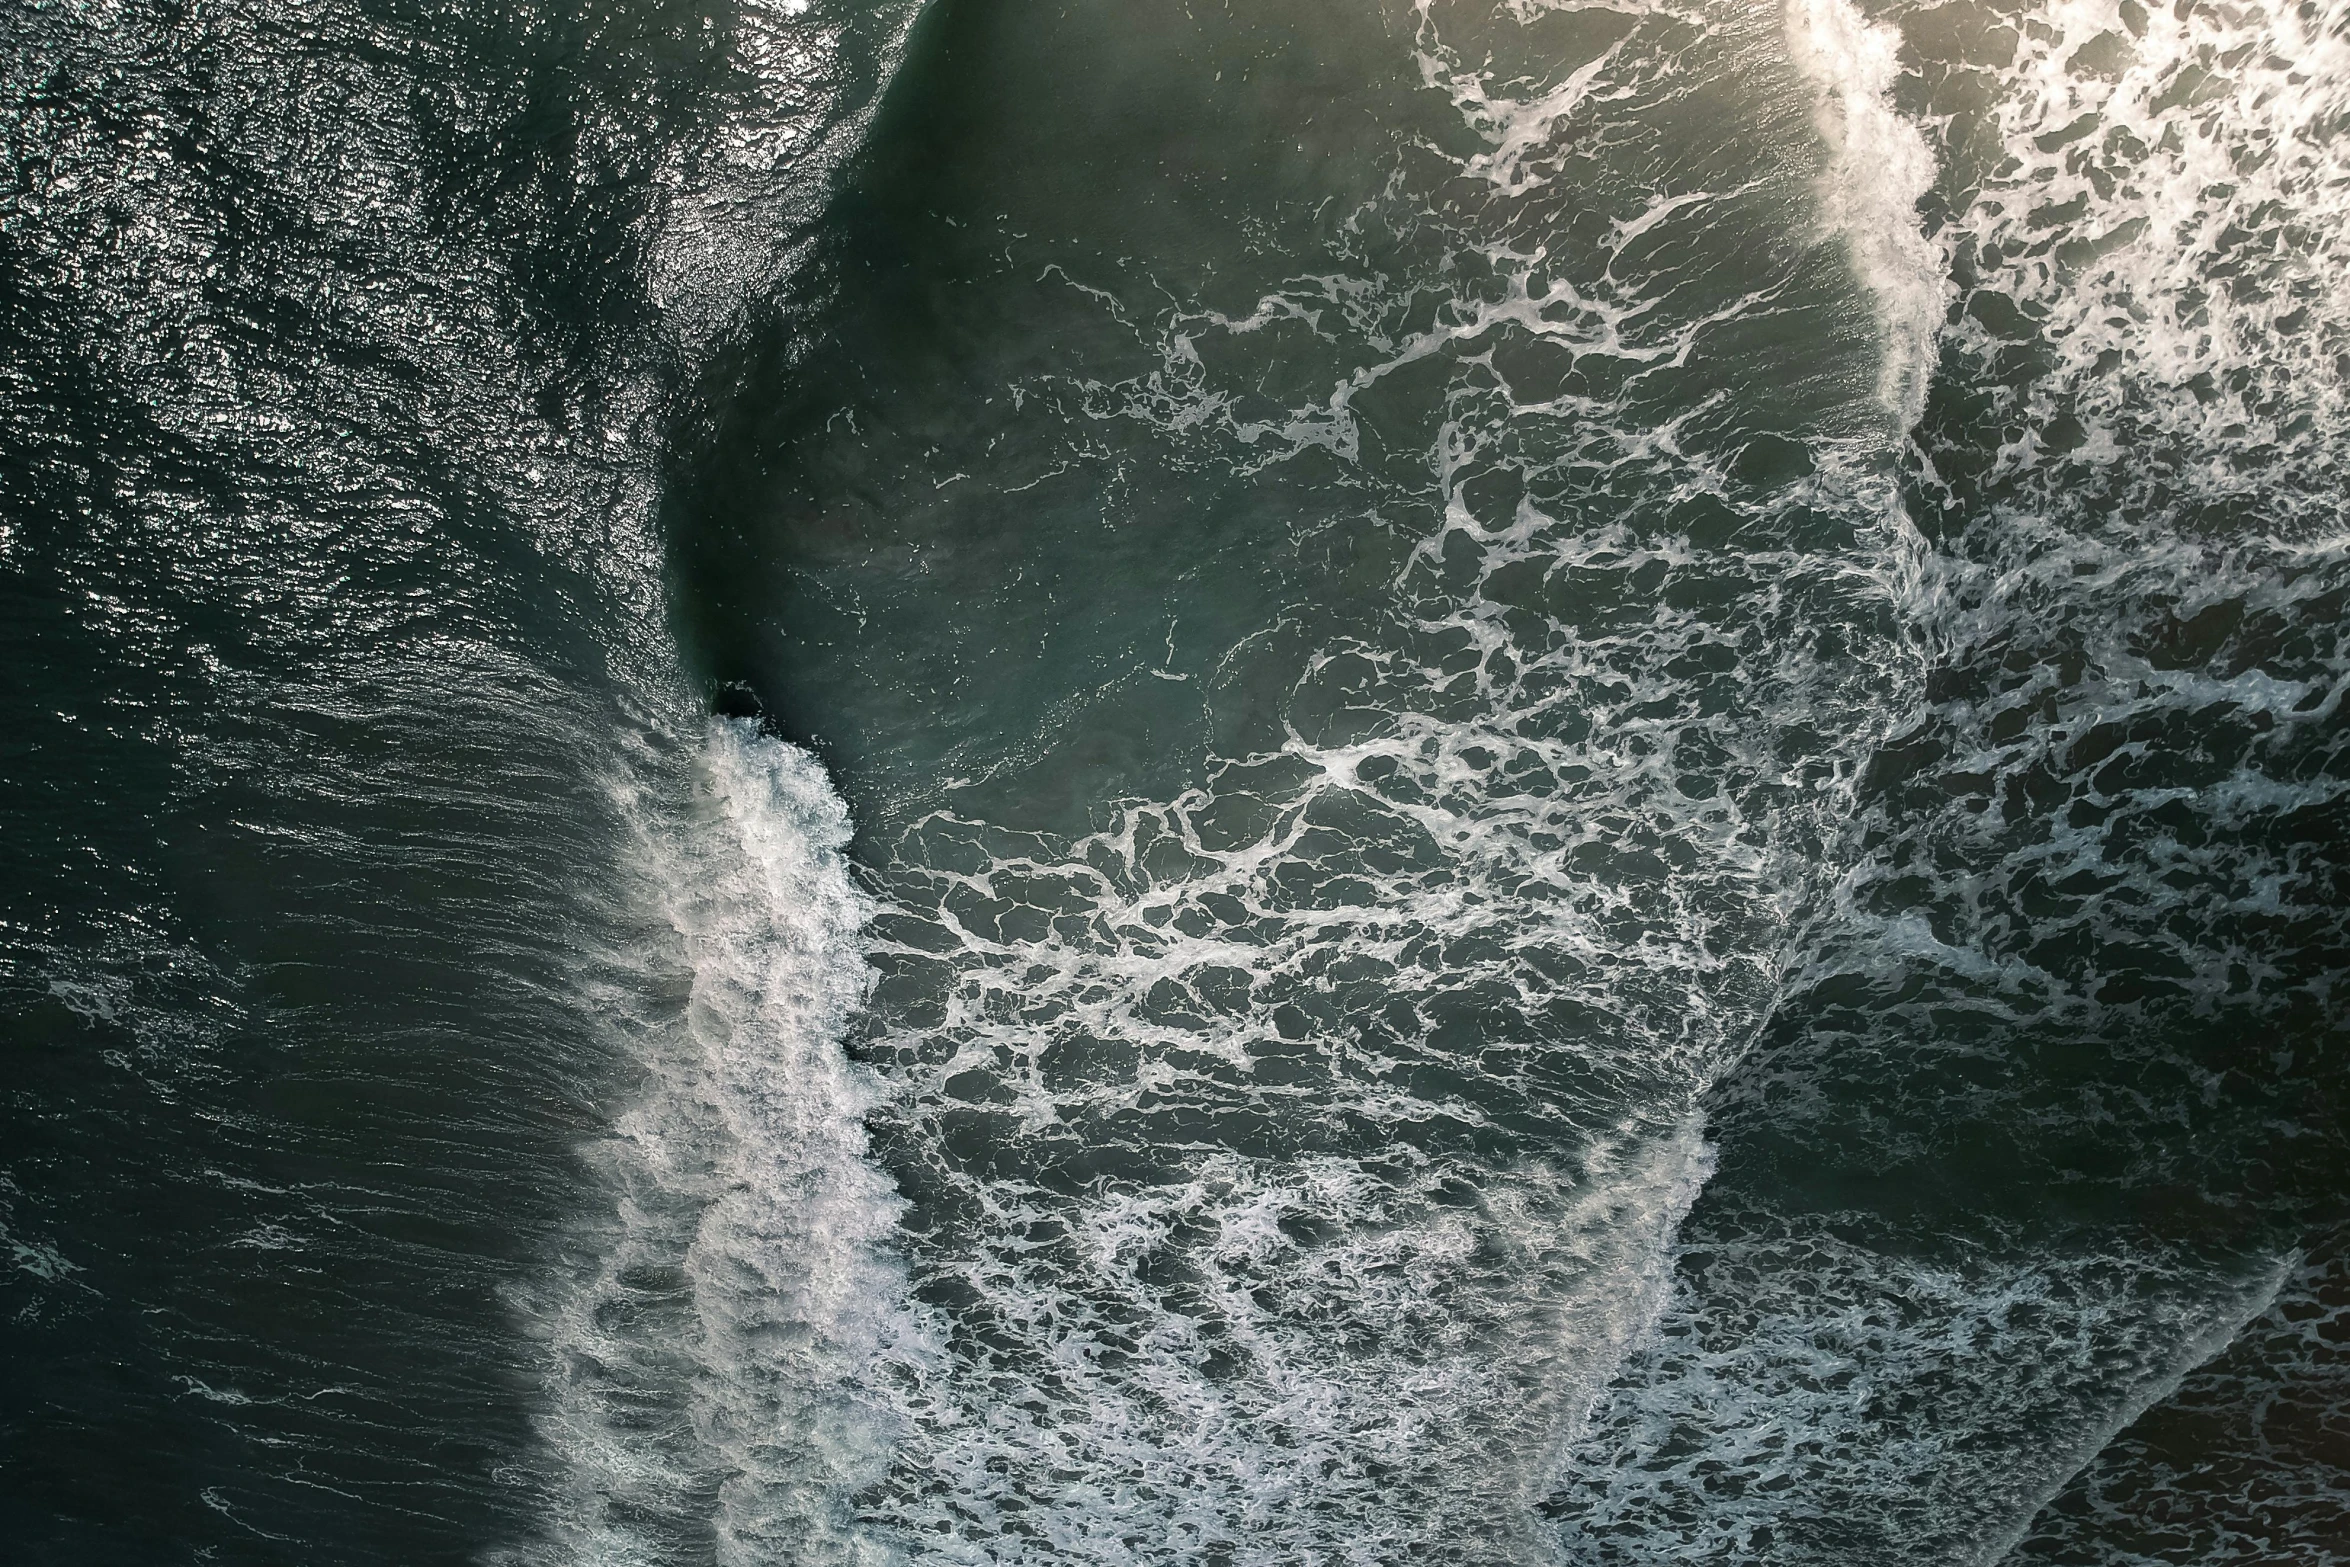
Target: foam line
point(724, 1349)
point(1878, 167)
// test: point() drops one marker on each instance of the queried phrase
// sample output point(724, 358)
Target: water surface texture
point(825, 782)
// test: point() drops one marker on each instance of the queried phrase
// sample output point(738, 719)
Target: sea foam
point(1879, 166)
point(722, 1345)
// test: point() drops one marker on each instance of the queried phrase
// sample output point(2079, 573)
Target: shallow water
point(1540, 784)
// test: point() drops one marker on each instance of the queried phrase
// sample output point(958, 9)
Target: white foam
point(801, 1304)
point(2169, 221)
point(1878, 167)
point(1470, 818)
point(724, 1348)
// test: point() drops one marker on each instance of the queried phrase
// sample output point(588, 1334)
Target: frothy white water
point(721, 1356)
point(2120, 195)
point(798, 1304)
point(730, 1307)
point(1302, 1152)
point(1809, 1399)
point(1879, 166)
point(2160, 201)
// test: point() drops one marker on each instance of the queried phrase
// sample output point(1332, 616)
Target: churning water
point(1154, 783)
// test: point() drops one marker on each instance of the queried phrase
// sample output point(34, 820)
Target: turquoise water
point(1165, 784)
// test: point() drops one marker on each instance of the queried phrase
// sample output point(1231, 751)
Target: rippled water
point(1154, 784)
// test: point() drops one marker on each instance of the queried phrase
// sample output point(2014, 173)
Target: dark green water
point(1552, 784)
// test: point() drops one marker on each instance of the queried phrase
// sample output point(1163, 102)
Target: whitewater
point(1270, 1352)
point(1185, 787)
point(1336, 1313)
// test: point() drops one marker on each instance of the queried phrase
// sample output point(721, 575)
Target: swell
point(2121, 468)
point(347, 338)
point(1373, 726)
point(729, 1309)
point(1343, 744)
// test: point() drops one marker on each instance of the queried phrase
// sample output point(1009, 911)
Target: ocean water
point(1139, 782)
